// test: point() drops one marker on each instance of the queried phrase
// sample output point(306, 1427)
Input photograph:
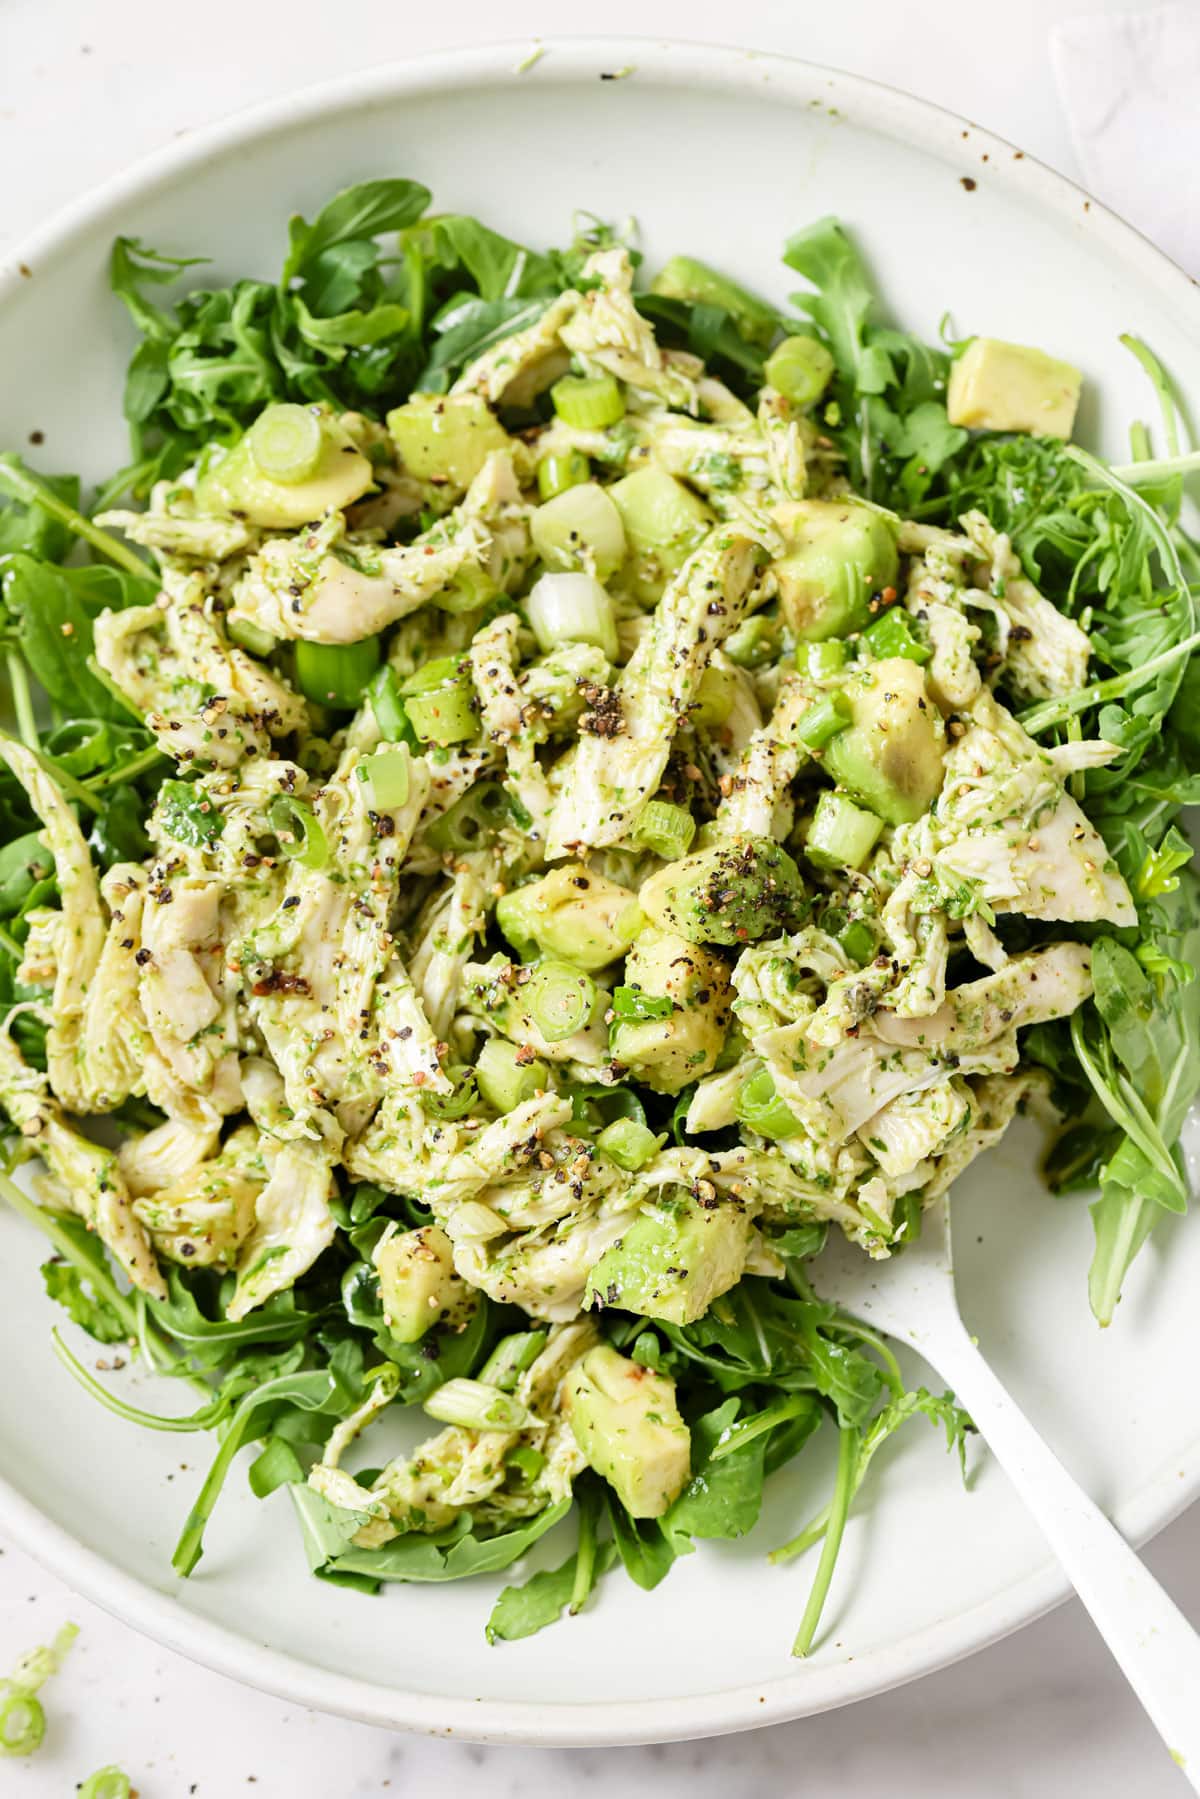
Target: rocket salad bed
point(531, 800)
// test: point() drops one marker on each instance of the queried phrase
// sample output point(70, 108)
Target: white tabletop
point(84, 89)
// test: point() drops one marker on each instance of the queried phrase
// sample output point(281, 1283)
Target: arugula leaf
point(357, 213)
point(541, 1600)
point(70, 1287)
point(1140, 1050)
point(646, 1551)
point(55, 636)
point(26, 526)
point(448, 1555)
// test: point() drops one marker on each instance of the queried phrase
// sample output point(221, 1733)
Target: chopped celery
point(892, 635)
point(580, 529)
point(629, 1144)
point(556, 473)
point(336, 674)
point(666, 829)
point(588, 402)
point(841, 835)
point(440, 702)
point(823, 720)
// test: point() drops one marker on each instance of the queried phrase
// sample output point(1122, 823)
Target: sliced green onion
point(249, 636)
point(560, 999)
point(440, 702)
point(760, 1108)
point(474, 1406)
point(823, 659)
point(383, 691)
point(462, 1098)
point(286, 442)
point(858, 941)
point(629, 1144)
point(472, 820)
point(799, 368)
point(385, 775)
point(556, 473)
point(505, 1081)
point(300, 835)
point(823, 721)
point(892, 635)
point(528, 1462)
point(573, 608)
point(666, 829)
point(511, 1357)
point(336, 674)
point(106, 1783)
point(588, 402)
point(22, 1723)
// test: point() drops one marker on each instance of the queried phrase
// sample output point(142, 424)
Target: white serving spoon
point(912, 1297)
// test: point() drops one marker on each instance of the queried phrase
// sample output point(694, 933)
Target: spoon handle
point(1153, 1644)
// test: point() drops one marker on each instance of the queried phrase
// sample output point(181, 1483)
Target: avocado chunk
point(573, 913)
point(889, 758)
point(446, 438)
point(417, 1282)
point(839, 553)
point(627, 1424)
point(667, 1053)
point(733, 892)
point(663, 520)
point(675, 1258)
point(995, 386)
point(236, 485)
point(683, 278)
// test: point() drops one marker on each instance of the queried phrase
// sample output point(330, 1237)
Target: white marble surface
point(85, 88)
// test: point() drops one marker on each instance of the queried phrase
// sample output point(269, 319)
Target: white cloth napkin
point(1130, 86)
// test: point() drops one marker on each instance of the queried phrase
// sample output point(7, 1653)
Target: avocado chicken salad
point(534, 797)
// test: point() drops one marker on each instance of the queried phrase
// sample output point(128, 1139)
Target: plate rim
point(153, 1610)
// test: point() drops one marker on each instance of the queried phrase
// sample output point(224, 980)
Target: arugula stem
point(585, 1557)
point(738, 1435)
point(30, 492)
point(1056, 712)
point(133, 770)
point(839, 1511)
point(22, 698)
point(1158, 468)
point(46, 1222)
point(10, 946)
point(891, 1367)
point(72, 788)
point(204, 1419)
point(812, 1533)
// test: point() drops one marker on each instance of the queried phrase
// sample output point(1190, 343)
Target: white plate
point(722, 154)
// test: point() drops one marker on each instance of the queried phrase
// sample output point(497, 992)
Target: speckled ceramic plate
point(720, 153)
